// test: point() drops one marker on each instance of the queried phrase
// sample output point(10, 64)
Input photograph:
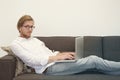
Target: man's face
point(26, 29)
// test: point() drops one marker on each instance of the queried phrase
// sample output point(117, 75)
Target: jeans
point(83, 64)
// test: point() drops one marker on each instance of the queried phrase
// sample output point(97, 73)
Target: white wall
point(61, 17)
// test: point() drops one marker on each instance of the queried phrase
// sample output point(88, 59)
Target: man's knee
point(93, 57)
point(92, 60)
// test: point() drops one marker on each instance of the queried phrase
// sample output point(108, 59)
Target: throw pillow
point(3, 53)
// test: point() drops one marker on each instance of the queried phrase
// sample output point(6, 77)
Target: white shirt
point(33, 53)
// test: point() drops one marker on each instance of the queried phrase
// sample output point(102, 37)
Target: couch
point(107, 47)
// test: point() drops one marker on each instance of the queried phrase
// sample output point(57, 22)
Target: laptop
point(78, 50)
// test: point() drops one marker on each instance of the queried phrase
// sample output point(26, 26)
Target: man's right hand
point(66, 56)
point(62, 56)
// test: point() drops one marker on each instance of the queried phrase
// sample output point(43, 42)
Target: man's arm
point(27, 57)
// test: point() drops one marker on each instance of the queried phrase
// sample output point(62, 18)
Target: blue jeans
point(90, 62)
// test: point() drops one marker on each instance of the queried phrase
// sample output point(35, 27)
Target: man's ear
point(19, 29)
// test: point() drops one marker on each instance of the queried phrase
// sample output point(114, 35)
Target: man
point(35, 54)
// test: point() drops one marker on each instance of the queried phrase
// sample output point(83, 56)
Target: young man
point(35, 54)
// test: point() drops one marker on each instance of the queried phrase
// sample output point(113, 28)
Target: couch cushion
point(59, 43)
point(68, 77)
point(111, 48)
point(92, 46)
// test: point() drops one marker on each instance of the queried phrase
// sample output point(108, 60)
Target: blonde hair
point(23, 19)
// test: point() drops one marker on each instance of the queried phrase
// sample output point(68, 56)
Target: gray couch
point(107, 47)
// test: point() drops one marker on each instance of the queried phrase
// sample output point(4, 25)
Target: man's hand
point(65, 56)
point(62, 56)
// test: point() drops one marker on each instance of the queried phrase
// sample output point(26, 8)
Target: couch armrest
point(7, 67)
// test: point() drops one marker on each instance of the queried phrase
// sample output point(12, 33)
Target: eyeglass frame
point(28, 27)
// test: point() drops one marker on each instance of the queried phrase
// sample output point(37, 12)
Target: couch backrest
point(107, 47)
point(59, 43)
point(92, 46)
point(111, 48)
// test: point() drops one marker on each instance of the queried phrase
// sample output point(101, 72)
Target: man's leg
point(91, 62)
point(68, 68)
point(106, 66)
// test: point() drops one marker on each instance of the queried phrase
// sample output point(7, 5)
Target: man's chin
point(26, 36)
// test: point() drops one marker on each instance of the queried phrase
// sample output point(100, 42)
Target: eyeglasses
point(28, 27)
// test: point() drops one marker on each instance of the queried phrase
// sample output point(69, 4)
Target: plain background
point(61, 17)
